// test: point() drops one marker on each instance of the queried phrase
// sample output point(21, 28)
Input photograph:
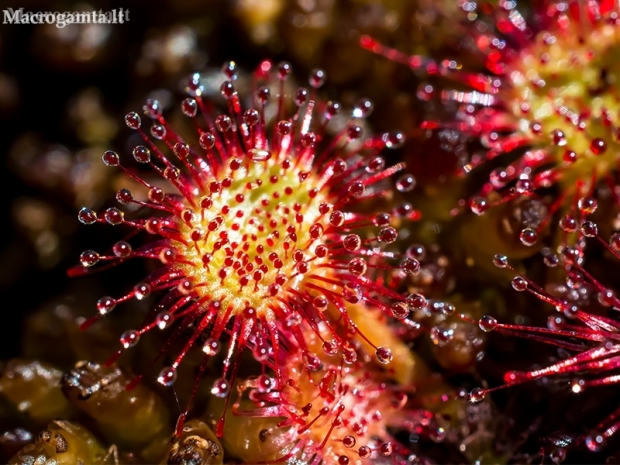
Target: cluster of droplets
point(334, 412)
point(578, 326)
point(566, 118)
point(257, 229)
point(549, 92)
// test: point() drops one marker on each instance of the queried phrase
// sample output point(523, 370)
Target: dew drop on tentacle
point(87, 216)
point(400, 310)
point(124, 196)
point(551, 260)
point(519, 284)
point(384, 355)
point(89, 258)
point(587, 205)
point(113, 216)
point(375, 165)
point(167, 376)
point(141, 154)
point(477, 395)
point(363, 108)
point(441, 336)
point(393, 140)
point(158, 131)
point(405, 183)
point(105, 305)
point(500, 261)
point(164, 319)
point(211, 347)
point(152, 109)
point(189, 107)
point(141, 290)
point(349, 355)
point(330, 348)
point(568, 224)
point(479, 205)
point(352, 242)
point(111, 158)
point(129, 338)
point(416, 302)
point(487, 323)
point(132, 120)
point(598, 146)
point(358, 266)
point(364, 452)
point(387, 235)
point(220, 388)
point(528, 237)
point(122, 249)
point(386, 449)
point(595, 441)
point(589, 229)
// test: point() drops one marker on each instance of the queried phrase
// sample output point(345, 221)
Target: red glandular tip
point(266, 221)
point(578, 326)
point(549, 91)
